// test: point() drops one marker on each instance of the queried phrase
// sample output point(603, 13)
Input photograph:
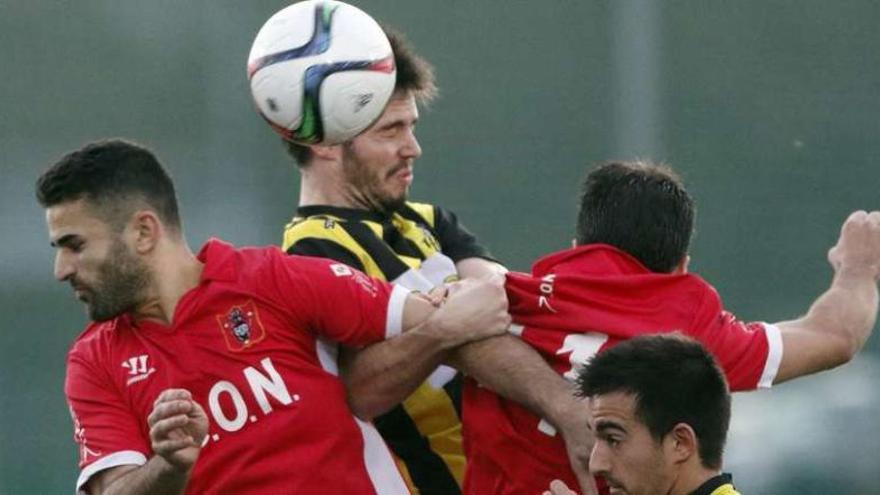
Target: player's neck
point(692, 478)
point(176, 271)
point(326, 188)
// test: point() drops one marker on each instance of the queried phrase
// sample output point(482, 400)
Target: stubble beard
point(366, 187)
point(121, 285)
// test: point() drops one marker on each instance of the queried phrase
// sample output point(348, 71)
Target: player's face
point(625, 453)
point(102, 270)
point(378, 163)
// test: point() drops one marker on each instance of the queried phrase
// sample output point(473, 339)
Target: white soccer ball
point(321, 71)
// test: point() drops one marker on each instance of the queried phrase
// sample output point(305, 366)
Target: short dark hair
point(116, 176)
point(415, 76)
point(673, 379)
point(641, 208)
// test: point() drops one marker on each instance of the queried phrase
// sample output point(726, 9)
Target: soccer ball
point(321, 71)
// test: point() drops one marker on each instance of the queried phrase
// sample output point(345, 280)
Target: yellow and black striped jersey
point(415, 247)
point(719, 485)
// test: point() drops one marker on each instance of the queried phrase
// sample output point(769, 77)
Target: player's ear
point(681, 443)
point(331, 152)
point(145, 230)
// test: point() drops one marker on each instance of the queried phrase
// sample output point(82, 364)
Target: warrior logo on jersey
point(241, 326)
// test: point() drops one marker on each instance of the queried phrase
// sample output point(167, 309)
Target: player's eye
point(76, 246)
point(389, 131)
point(611, 440)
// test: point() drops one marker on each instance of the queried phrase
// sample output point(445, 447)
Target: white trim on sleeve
point(396, 302)
point(774, 355)
point(121, 458)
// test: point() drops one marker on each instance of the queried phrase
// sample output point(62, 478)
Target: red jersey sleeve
point(108, 434)
point(342, 303)
point(749, 353)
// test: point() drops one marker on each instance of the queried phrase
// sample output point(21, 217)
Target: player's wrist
point(172, 470)
point(434, 335)
point(443, 333)
point(565, 411)
point(847, 274)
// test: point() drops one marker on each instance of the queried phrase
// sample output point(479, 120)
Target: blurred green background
point(768, 108)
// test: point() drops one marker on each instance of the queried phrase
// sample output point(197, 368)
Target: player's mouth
point(81, 292)
point(616, 489)
point(403, 173)
point(406, 176)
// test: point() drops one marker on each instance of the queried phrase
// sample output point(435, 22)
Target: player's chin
point(395, 200)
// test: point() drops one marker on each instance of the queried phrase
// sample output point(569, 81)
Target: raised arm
point(840, 321)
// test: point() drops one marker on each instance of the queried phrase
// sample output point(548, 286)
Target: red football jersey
point(255, 344)
point(576, 303)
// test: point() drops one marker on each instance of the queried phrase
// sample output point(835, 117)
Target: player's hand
point(858, 248)
point(474, 309)
point(437, 295)
point(178, 426)
point(557, 487)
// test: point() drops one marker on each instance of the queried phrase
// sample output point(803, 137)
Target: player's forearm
point(514, 370)
point(155, 477)
point(380, 376)
point(847, 310)
point(834, 329)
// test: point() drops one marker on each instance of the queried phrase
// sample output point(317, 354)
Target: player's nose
point(64, 266)
point(411, 148)
point(599, 464)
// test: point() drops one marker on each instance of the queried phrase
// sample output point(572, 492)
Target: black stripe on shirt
point(387, 259)
point(325, 248)
point(427, 469)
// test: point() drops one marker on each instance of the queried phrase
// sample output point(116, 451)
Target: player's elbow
point(367, 406)
point(844, 345)
point(857, 334)
point(363, 409)
point(845, 334)
point(842, 350)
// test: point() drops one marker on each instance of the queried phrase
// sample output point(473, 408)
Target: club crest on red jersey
point(241, 326)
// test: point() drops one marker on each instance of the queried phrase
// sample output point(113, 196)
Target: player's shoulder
point(241, 261)
point(704, 302)
point(707, 291)
point(427, 212)
point(98, 339)
point(323, 227)
point(258, 263)
point(267, 261)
